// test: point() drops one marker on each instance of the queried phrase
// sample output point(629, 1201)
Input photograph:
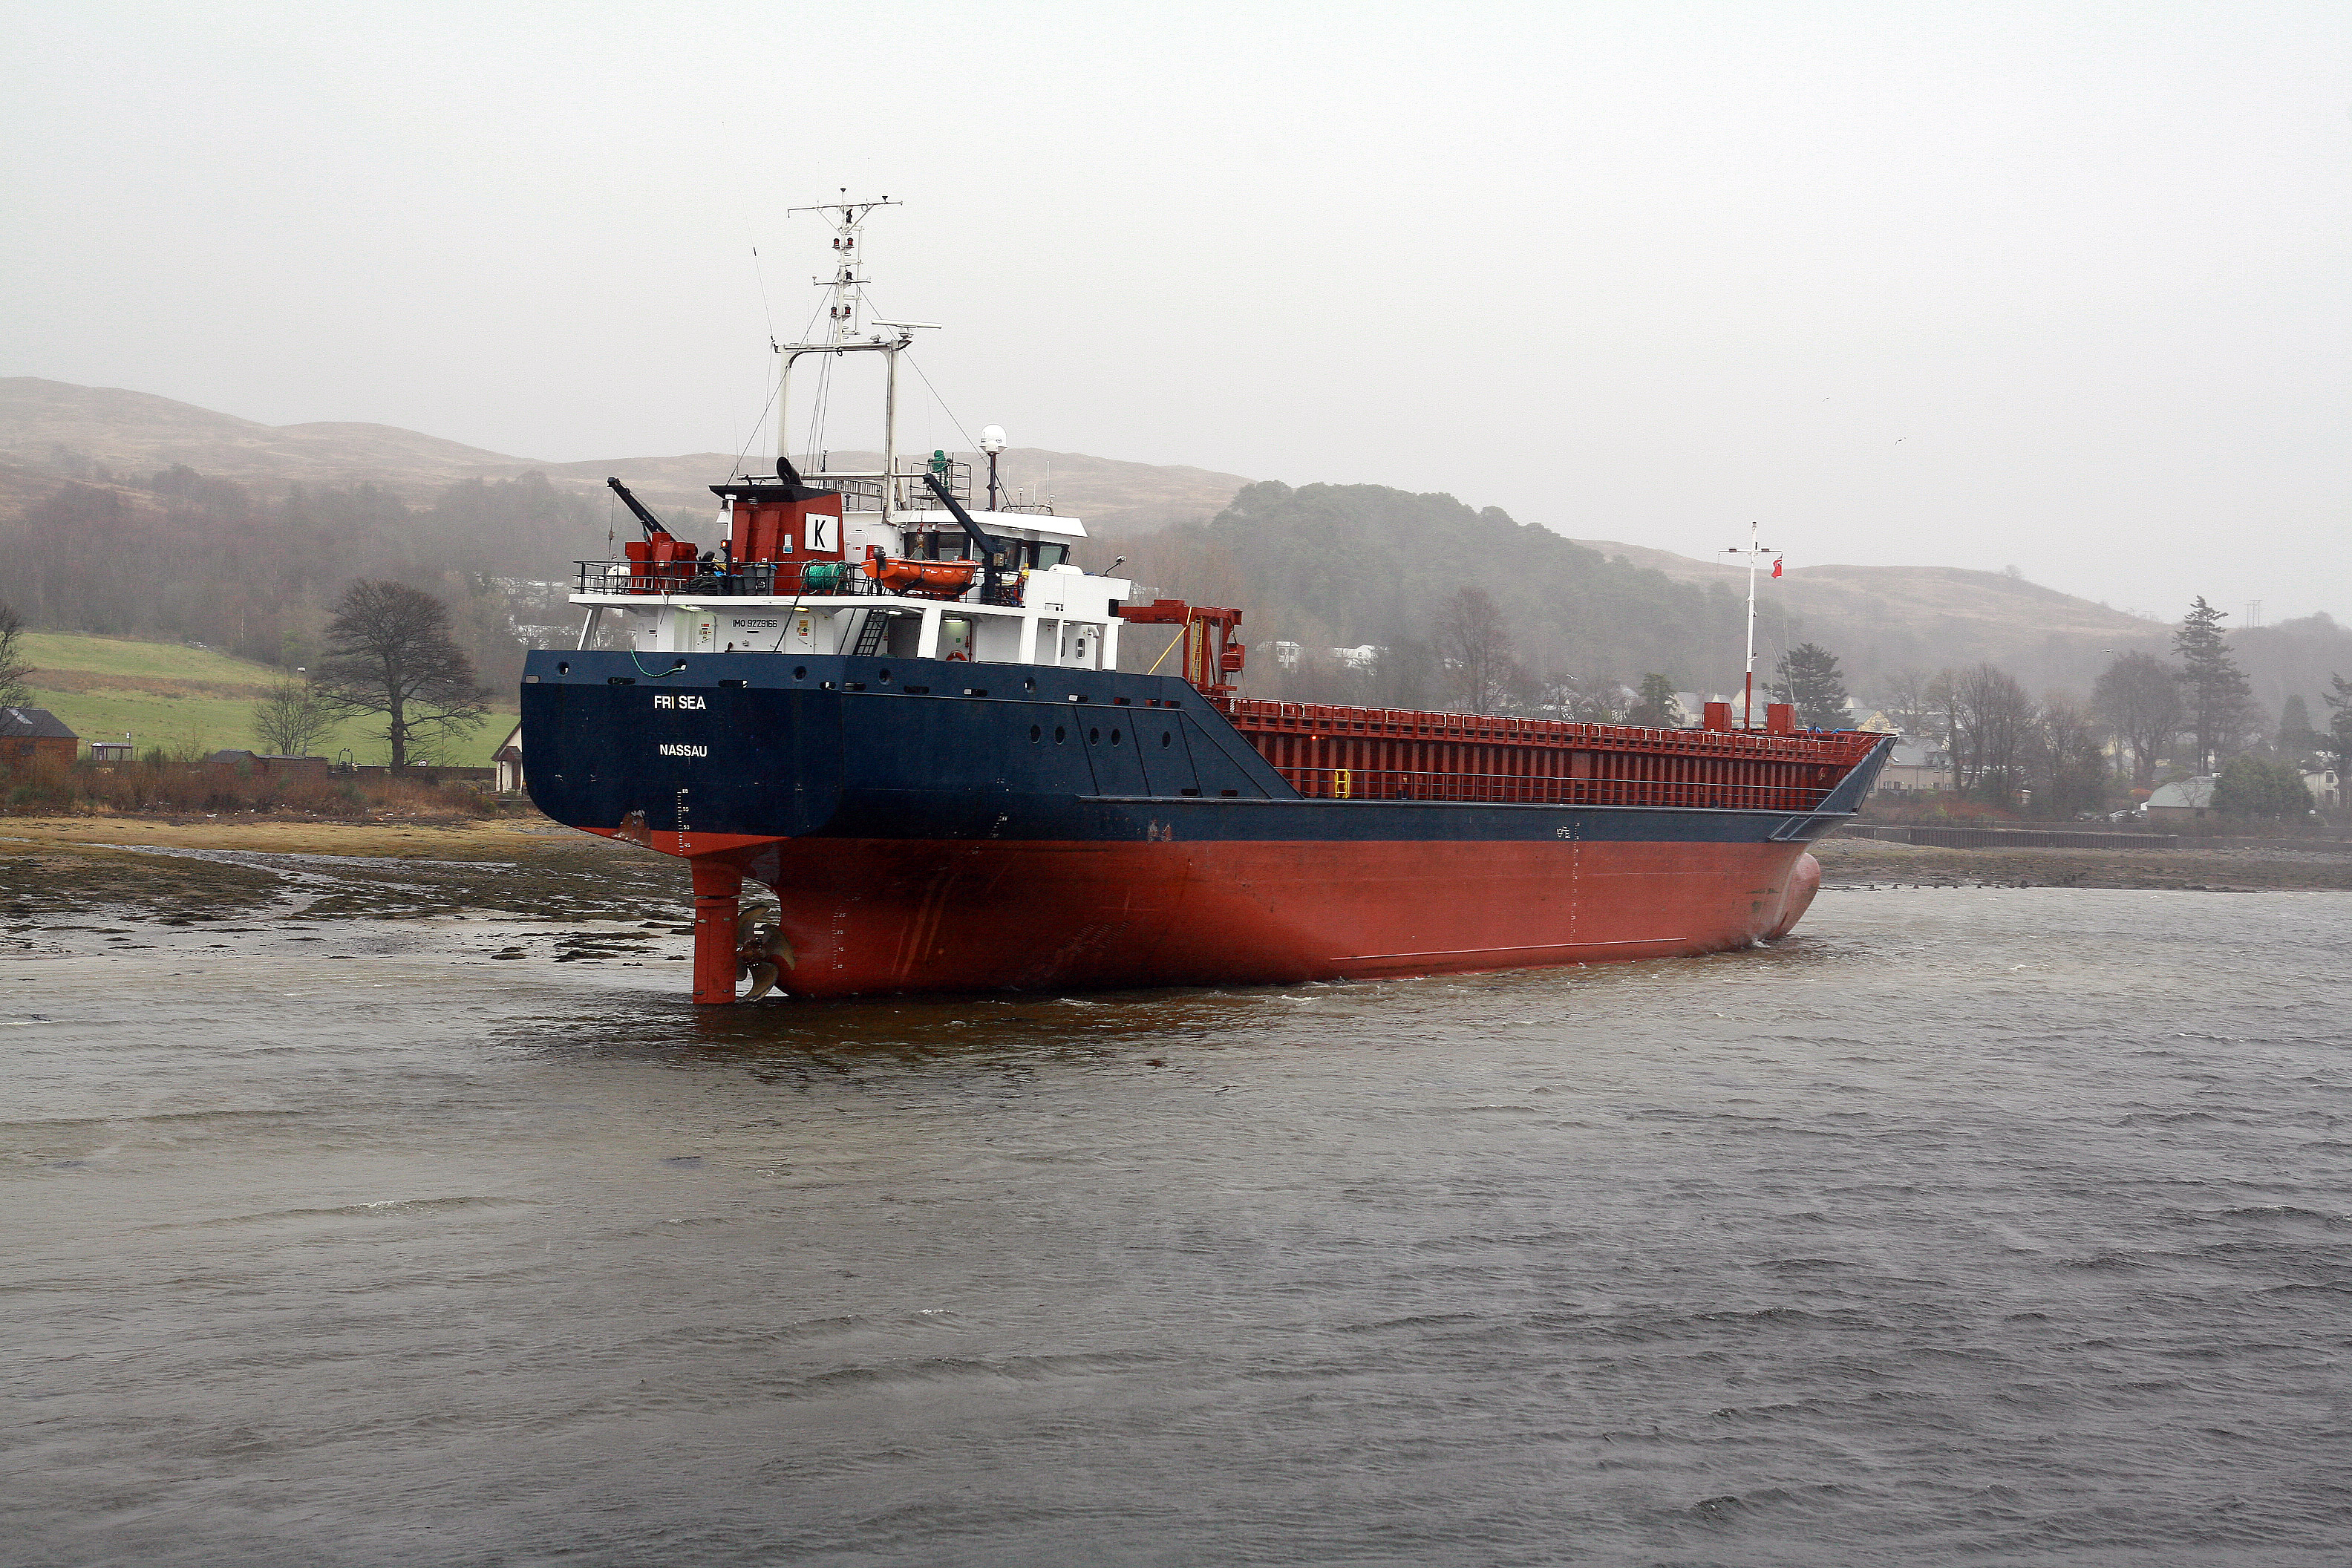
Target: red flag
point(1776, 567)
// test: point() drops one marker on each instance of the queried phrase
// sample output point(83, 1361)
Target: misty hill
point(54, 427)
point(1880, 619)
point(1342, 565)
point(243, 532)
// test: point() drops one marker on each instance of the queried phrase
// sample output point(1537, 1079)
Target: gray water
point(1971, 1226)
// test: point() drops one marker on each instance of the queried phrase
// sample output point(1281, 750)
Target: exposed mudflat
point(1863, 862)
point(258, 871)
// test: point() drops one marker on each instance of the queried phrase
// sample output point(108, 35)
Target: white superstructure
point(814, 589)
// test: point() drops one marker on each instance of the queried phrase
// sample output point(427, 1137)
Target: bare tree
point(390, 652)
point(1992, 723)
point(292, 718)
point(2140, 699)
point(1908, 702)
point(2069, 762)
point(1474, 641)
point(14, 666)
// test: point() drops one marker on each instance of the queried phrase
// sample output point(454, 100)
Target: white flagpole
point(1747, 690)
point(1747, 696)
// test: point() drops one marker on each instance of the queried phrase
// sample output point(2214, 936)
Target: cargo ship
point(885, 721)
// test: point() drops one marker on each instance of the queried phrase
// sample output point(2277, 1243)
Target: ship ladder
point(870, 633)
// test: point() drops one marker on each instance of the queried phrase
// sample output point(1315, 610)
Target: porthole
point(1030, 684)
point(886, 675)
point(1166, 739)
point(1094, 737)
point(563, 668)
point(1114, 737)
point(800, 672)
point(1033, 733)
point(1060, 734)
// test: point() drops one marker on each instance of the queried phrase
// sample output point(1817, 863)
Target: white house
point(508, 761)
point(2327, 789)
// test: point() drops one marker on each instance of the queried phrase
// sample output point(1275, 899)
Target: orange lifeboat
point(922, 579)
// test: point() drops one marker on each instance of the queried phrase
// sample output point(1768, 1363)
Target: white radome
point(991, 438)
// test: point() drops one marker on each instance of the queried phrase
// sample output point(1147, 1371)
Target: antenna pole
point(1752, 550)
point(1747, 694)
point(847, 219)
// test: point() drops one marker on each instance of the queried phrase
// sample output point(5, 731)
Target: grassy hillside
point(169, 695)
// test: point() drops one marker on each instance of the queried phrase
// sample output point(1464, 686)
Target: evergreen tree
point(1809, 678)
point(1657, 708)
point(2250, 786)
point(2294, 735)
point(2212, 686)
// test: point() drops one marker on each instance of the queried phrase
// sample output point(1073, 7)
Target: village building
point(508, 761)
point(2189, 800)
point(29, 735)
point(2327, 789)
point(1914, 767)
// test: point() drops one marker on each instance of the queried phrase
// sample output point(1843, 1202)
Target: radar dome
point(991, 438)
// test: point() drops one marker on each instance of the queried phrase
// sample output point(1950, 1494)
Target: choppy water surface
point(1972, 1226)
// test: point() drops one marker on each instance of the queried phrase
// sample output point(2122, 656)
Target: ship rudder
point(718, 907)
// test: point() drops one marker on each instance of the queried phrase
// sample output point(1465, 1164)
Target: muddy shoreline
point(184, 872)
point(1864, 862)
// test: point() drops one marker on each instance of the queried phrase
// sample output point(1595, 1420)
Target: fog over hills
point(54, 426)
point(1879, 619)
point(1885, 618)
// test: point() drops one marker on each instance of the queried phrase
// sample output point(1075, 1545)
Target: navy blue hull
point(770, 746)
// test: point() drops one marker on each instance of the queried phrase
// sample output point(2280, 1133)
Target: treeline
point(1344, 566)
point(2146, 721)
point(189, 558)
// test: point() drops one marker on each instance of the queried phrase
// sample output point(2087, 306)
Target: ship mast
point(844, 334)
point(1753, 550)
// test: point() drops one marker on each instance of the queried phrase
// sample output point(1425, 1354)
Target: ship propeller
point(761, 949)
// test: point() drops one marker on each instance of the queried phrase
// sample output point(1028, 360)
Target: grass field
point(168, 695)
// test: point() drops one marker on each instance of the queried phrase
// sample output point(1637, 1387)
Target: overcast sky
point(2058, 286)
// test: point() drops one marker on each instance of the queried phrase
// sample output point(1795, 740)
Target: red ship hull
point(867, 916)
